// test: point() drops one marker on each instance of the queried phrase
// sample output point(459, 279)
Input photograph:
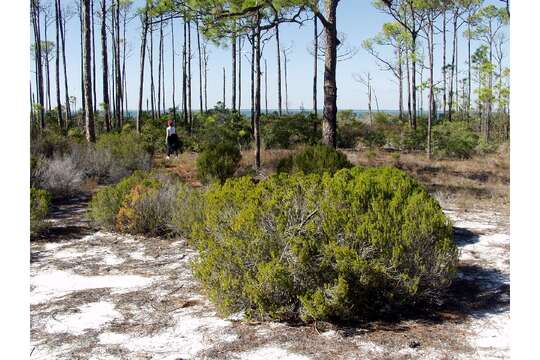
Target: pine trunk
point(330, 88)
point(141, 71)
point(315, 51)
point(66, 89)
point(280, 109)
point(87, 68)
point(200, 68)
point(105, 66)
point(57, 68)
point(257, 104)
point(233, 72)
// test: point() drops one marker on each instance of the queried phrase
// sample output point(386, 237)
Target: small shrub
point(315, 159)
point(107, 202)
point(40, 201)
point(485, 147)
point(286, 131)
point(349, 129)
point(48, 143)
point(60, 176)
point(146, 203)
point(454, 140)
point(127, 151)
point(345, 246)
point(218, 162)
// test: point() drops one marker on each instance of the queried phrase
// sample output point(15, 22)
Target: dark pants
point(172, 144)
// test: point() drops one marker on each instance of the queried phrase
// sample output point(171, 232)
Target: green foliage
point(127, 150)
point(48, 144)
point(106, 203)
point(349, 129)
point(323, 247)
point(454, 140)
point(220, 127)
point(286, 131)
point(145, 203)
point(218, 162)
point(315, 159)
point(40, 201)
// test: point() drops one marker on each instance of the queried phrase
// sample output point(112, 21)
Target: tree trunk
point(57, 68)
point(205, 79)
point(141, 71)
point(66, 90)
point(190, 112)
point(413, 85)
point(315, 51)
point(152, 88)
point(92, 29)
point(173, 71)
point(444, 63)
point(105, 66)
point(400, 80)
point(233, 72)
point(200, 68)
point(119, 98)
point(47, 62)
point(83, 102)
point(280, 109)
point(184, 78)
point(124, 88)
point(431, 97)
point(369, 99)
point(469, 71)
point(408, 87)
point(451, 90)
point(160, 64)
point(330, 88)
point(87, 78)
point(257, 105)
point(253, 35)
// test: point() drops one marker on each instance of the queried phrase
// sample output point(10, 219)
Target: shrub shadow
point(463, 236)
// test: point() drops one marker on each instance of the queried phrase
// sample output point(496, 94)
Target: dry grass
point(480, 182)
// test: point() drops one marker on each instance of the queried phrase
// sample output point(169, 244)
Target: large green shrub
point(218, 162)
point(454, 139)
point(285, 131)
point(40, 201)
point(315, 159)
point(323, 247)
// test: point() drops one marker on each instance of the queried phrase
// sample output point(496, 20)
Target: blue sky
point(358, 19)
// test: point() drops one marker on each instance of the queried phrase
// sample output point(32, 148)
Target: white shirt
point(170, 130)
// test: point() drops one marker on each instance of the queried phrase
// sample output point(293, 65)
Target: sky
point(357, 19)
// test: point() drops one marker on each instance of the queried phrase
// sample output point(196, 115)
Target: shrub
point(187, 209)
point(60, 176)
point(48, 143)
point(146, 203)
point(218, 162)
point(219, 127)
point(454, 140)
point(323, 247)
point(349, 129)
point(283, 132)
point(315, 159)
point(107, 202)
point(40, 201)
point(127, 151)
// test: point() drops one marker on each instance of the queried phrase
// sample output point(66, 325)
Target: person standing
point(171, 139)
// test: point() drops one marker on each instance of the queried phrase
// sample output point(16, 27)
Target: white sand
point(88, 316)
point(57, 283)
point(271, 353)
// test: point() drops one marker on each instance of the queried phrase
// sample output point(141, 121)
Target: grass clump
point(323, 247)
point(315, 159)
